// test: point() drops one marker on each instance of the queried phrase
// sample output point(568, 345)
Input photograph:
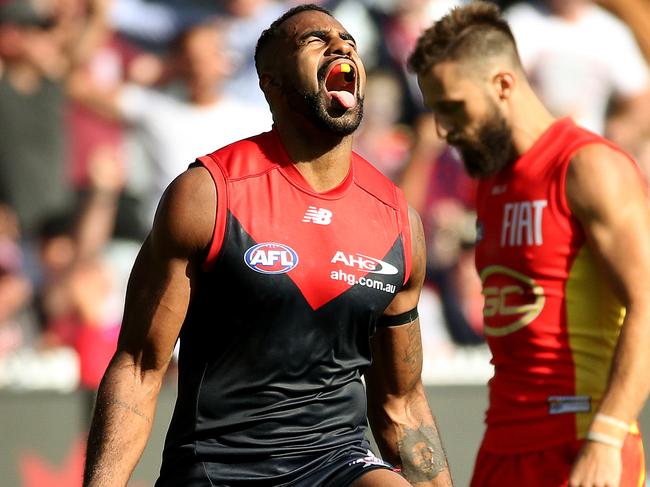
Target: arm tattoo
point(129, 407)
point(421, 454)
point(413, 352)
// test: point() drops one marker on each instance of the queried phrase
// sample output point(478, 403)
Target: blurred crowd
point(104, 102)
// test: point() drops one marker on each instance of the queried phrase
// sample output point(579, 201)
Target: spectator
point(17, 324)
point(436, 185)
point(32, 158)
point(578, 57)
point(401, 30)
point(189, 118)
point(74, 298)
point(380, 139)
point(243, 20)
point(636, 15)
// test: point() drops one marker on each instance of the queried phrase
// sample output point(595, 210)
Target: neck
point(323, 159)
point(529, 121)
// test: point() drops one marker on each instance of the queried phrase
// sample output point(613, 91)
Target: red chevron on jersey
point(338, 239)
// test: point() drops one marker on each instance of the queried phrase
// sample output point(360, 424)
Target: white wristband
point(612, 421)
point(605, 439)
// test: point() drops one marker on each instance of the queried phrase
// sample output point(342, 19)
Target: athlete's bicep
point(397, 344)
point(407, 298)
point(606, 193)
point(159, 287)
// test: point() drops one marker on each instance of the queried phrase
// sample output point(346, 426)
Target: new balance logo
point(319, 216)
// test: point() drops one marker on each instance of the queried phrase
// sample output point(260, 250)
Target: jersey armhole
point(405, 228)
point(218, 234)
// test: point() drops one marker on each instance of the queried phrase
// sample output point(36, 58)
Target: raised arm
point(607, 195)
point(399, 414)
point(157, 299)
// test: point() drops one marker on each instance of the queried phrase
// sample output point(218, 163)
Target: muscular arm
point(606, 194)
point(399, 414)
point(157, 300)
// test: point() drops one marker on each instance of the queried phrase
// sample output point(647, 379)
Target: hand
point(105, 171)
point(597, 465)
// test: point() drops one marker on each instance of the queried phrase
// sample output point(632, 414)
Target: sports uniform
point(551, 320)
point(277, 332)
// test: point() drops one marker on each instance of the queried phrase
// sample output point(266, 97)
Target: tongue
point(345, 98)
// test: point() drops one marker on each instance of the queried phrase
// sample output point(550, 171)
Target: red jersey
point(277, 334)
point(551, 319)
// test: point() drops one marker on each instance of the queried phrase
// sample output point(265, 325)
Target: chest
point(288, 243)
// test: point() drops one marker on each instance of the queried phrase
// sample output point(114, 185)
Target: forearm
point(629, 381)
point(122, 420)
point(96, 222)
point(408, 437)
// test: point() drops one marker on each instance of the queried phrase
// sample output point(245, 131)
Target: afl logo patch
point(271, 258)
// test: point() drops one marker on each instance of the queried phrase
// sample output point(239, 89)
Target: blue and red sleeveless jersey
point(551, 319)
point(277, 334)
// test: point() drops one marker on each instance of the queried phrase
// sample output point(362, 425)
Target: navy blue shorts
point(337, 469)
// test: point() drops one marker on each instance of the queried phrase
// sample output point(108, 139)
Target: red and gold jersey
point(551, 319)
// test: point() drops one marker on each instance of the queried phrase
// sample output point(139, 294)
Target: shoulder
point(247, 157)
point(602, 158)
point(601, 174)
point(186, 214)
point(371, 180)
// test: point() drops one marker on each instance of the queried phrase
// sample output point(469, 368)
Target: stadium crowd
point(104, 102)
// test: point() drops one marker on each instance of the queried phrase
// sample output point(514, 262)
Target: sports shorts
point(339, 469)
point(552, 467)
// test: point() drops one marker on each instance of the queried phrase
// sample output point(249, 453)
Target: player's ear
point(504, 83)
point(268, 82)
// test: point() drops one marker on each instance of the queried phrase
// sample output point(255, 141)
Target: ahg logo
point(364, 263)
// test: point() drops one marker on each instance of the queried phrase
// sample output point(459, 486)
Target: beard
point(491, 151)
point(313, 105)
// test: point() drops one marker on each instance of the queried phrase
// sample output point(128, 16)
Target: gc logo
point(512, 300)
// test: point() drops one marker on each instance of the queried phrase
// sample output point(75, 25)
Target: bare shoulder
point(418, 244)
point(600, 175)
point(186, 213)
point(415, 221)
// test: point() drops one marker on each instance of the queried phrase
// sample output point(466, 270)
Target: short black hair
point(272, 33)
point(474, 31)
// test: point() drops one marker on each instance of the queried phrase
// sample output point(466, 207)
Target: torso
point(277, 333)
point(546, 306)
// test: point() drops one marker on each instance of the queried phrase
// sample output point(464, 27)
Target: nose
point(339, 46)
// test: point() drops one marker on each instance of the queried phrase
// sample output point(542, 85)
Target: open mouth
point(340, 84)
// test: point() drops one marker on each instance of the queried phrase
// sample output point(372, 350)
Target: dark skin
point(164, 277)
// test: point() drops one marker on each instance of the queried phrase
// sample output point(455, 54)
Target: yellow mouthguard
point(345, 68)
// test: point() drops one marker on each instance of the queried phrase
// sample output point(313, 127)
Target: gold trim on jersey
point(594, 316)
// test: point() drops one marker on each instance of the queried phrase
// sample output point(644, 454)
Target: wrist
point(608, 430)
point(605, 439)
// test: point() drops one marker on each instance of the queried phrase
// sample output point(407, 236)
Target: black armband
point(397, 320)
